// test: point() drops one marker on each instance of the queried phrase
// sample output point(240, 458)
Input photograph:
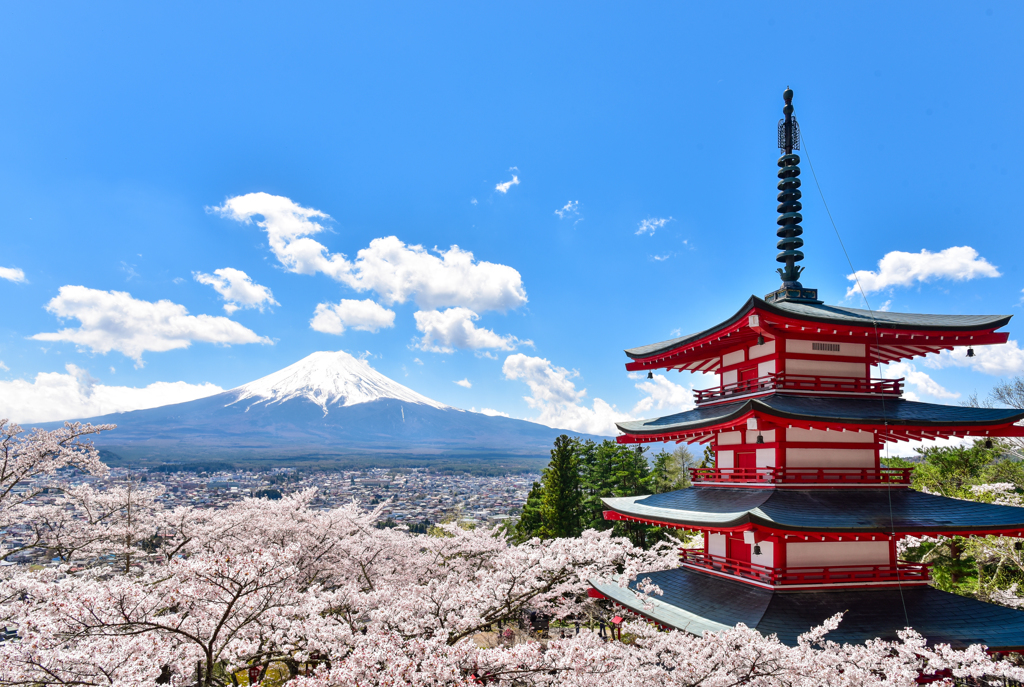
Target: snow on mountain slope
point(328, 378)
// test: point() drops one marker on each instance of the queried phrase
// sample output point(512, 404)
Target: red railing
point(834, 574)
point(808, 476)
point(788, 382)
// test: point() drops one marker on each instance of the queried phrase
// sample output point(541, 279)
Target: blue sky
point(124, 127)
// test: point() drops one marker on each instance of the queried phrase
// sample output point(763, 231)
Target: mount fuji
point(328, 408)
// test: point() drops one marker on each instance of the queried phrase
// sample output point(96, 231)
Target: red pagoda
point(799, 518)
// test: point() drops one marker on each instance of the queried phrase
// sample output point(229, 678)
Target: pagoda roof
point(832, 511)
point(880, 326)
point(696, 602)
point(891, 417)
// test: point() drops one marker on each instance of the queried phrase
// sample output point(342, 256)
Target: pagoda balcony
point(801, 477)
point(902, 573)
point(803, 384)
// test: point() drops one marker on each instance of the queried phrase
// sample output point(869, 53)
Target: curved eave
point(920, 333)
point(896, 419)
point(695, 602)
point(796, 512)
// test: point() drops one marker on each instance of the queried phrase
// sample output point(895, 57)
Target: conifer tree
point(562, 498)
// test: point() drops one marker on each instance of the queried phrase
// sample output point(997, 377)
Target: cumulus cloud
point(651, 225)
point(75, 394)
point(570, 208)
point(367, 316)
point(237, 289)
point(998, 360)
point(492, 412)
point(921, 381)
point(465, 383)
point(395, 271)
point(12, 274)
point(114, 321)
point(898, 268)
point(504, 186)
point(444, 331)
point(560, 404)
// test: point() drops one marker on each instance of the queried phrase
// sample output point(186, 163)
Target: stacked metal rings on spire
point(789, 217)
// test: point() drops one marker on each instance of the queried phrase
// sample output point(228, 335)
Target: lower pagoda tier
point(696, 602)
point(836, 513)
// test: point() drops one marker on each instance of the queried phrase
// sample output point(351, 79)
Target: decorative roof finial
point(789, 230)
point(789, 196)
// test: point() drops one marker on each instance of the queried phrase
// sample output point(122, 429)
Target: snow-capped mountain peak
point(328, 378)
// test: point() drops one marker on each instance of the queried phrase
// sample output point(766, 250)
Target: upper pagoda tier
point(888, 336)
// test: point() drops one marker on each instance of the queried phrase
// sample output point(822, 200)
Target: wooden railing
point(834, 574)
point(808, 476)
point(787, 382)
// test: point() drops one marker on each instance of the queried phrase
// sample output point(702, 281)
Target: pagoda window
point(726, 459)
point(830, 553)
point(830, 457)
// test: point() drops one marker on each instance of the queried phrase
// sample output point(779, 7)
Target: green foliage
point(567, 500)
point(561, 498)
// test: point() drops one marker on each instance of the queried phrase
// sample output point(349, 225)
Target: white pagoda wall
point(808, 554)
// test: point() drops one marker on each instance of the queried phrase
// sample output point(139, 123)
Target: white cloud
point(661, 258)
point(919, 380)
point(998, 360)
point(899, 268)
point(554, 395)
point(417, 361)
point(444, 331)
point(570, 208)
point(651, 225)
point(504, 186)
point(75, 394)
point(885, 307)
point(389, 267)
point(237, 289)
point(367, 316)
point(492, 412)
point(465, 383)
point(3, 367)
point(12, 274)
point(114, 321)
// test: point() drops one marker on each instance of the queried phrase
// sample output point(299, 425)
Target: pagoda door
point(746, 378)
point(746, 459)
point(739, 551)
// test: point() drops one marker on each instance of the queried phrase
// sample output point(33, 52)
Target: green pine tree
point(562, 497)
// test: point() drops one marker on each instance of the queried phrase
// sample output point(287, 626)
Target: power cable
point(878, 347)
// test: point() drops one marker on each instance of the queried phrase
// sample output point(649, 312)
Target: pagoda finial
point(789, 230)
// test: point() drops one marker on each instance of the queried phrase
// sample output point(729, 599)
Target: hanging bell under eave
point(988, 443)
point(650, 375)
point(760, 439)
point(970, 352)
point(760, 340)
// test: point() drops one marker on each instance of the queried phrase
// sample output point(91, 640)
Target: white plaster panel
point(730, 438)
point(768, 434)
point(767, 557)
point(822, 436)
point(766, 368)
point(826, 368)
point(852, 350)
point(733, 358)
point(830, 458)
point(730, 377)
point(726, 459)
point(716, 545)
point(825, 553)
point(758, 351)
point(765, 457)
